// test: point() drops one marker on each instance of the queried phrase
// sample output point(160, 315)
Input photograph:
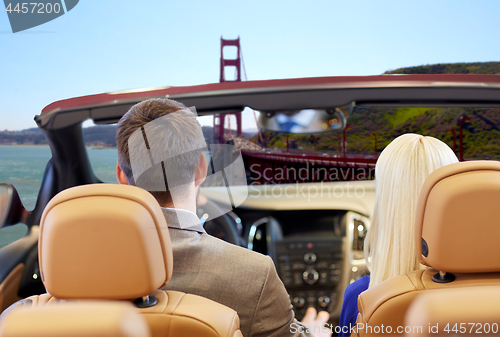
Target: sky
point(102, 46)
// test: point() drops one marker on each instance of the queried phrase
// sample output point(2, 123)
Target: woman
point(390, 244)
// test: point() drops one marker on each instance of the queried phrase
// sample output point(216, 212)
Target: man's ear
point(201, 171)
point(120, 176)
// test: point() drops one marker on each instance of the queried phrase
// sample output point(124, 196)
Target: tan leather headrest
point(457, 220)
point(76, 319)
point(104, 241)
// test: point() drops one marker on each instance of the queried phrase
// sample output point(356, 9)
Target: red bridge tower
point(219, 119)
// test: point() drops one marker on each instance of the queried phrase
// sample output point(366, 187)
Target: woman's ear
point(201, 171)
point(120, 175)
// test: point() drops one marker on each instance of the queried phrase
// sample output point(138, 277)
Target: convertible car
point(308, 148)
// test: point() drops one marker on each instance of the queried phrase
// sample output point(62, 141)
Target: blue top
point(350, 310)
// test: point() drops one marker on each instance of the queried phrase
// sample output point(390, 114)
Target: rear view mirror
point(303, 121)
point(12, 210)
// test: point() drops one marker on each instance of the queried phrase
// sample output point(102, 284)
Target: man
point(159, 149)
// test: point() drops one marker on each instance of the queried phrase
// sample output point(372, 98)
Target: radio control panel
point(310, 269)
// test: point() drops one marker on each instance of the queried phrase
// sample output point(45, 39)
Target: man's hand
point(312, 321)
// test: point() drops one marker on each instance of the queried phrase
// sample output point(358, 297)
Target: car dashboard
point(310, 251)
point(317, 250)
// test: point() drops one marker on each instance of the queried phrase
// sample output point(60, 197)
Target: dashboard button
point(310, 276)
point(298, 302)
point(309, 258)
point(323, 301)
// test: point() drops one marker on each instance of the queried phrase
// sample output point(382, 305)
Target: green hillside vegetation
point(481, 136)
point(403, 114)
point(451, 68)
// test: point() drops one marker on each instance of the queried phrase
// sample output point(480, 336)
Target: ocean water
point(23, 167)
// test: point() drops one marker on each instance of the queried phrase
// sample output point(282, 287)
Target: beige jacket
point(241, 279)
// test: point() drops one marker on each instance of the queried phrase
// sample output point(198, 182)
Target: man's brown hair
point(179, 139)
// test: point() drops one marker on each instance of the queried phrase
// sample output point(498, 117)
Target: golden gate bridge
point(284, 165)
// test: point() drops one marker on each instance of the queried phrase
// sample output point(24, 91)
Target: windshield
point(278, 158)
point(285, 157)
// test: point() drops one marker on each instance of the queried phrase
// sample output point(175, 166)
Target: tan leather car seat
point(76, 319)
point(455, 311)
point(111, 242)
point(457, 231)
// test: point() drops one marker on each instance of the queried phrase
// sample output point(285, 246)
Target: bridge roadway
point(278, 166)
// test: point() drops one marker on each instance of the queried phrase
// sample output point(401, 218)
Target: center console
point(310, 268)
point(308, 250)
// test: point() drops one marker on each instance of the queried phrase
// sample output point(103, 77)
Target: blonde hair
point(399, 175)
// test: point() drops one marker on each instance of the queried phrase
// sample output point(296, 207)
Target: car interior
point(313, 233)
point(470, 311)
point(77, 264)
point(78, 319)
point(455, 209)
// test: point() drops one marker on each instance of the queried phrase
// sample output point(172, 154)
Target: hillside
point(98, 135)
point(481, 136)
point(451, 68)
